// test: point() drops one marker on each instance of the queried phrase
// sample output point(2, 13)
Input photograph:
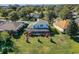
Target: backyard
point(34, 29)
point(62, 43)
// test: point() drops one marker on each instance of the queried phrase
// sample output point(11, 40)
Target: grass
point(64, 45)
point(42, 45)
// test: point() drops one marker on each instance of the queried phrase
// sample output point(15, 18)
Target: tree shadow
point(40, 41)
point(51, 40)
point(37, 35)
point(53, 31)
point(19, 32)
point(76, 39)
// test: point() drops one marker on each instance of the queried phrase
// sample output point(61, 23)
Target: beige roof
point(62, 23)
point(9, 25)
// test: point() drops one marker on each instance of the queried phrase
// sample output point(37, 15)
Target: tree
point(1, 42)
point(41, 15)
point(13, 16)
point(5, 35)
point(4, 14)
point(22, 13)
point(4, 50)
point(72, 28)
point(9, 10)
point(7, 43)
point(69, 15)
point(14, 7)
point(52, 15)
point(64, 10)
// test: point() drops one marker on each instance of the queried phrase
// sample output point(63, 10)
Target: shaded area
point(76, 38)
point(17, 34)
point(52, 41)
point(40, 41)
point(53, 31)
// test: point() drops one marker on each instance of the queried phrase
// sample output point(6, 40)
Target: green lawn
point(63, 45)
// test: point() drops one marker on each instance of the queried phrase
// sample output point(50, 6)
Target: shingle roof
point(77, 20)
point(9, 25)
point(39, 21)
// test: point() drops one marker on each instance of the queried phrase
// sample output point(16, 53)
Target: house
point(77, 22)
point(35, 14)
point(13, 27)
point(61, 25)
point(39, 27)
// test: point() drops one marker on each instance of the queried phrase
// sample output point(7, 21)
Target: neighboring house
point(61, 25)
point(35, 15)
point(39, 27)
point(77, 22)
point(13, 27)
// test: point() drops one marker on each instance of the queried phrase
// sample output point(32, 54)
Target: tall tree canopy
point(13, 16)
point(72, 28)
point(6, 44)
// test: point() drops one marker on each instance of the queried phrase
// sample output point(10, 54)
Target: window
point(36, 26)
point(41, 25)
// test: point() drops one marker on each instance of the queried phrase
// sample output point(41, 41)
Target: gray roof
point(9, 25)
point(35, 15)
point(77, 20)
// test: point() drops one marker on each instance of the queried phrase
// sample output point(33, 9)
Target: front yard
point(63, 45)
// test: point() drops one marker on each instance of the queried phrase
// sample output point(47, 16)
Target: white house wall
point(57, 27)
